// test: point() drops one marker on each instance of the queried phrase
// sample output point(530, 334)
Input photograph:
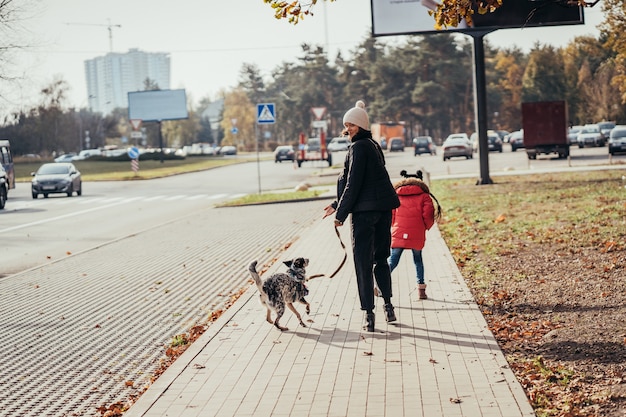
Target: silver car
point(591, 135)
point(457, 144)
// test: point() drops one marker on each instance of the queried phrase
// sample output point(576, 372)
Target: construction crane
point(109, 26)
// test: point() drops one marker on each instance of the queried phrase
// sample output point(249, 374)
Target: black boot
point(369, 322)
point(389, 314)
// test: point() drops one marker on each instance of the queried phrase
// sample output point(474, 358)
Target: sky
point(208, 40)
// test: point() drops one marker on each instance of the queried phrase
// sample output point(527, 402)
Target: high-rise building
point(111, 77)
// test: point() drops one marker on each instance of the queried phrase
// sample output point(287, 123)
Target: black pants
point(371, 242)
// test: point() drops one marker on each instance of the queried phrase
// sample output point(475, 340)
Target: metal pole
point(258, 159)
point(161, 143)
point(480, 105)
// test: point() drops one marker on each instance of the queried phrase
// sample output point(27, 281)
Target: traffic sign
point(265, 113)
point(234, 130)
point(318, 112)
point(135, 123)
point(133, 152)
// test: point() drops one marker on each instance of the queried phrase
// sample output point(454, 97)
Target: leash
point(345, 257)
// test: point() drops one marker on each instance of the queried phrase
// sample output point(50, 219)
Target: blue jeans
point(417, 260)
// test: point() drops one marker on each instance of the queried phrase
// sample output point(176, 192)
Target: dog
point(281, 290)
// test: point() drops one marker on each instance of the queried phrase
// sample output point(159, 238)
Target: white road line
point(65, 216)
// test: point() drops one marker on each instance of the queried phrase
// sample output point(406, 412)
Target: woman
point(365, 191)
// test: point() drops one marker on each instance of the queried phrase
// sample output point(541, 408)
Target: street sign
point(133, 152)
point(318, 112)
point(136, 134)
point(265, 113)
point(135, 123)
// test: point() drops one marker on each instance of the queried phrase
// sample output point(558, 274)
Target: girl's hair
point(420, 176)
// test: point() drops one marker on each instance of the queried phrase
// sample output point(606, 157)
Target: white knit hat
point(358, 116)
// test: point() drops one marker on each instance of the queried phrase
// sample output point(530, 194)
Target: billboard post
point(392, 17)
point(156, 106)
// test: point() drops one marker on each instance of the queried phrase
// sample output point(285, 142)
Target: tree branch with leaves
point(448, 13)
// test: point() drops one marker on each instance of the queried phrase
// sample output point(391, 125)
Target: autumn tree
point(239, 109)
point(544, 78)
point(613, 29)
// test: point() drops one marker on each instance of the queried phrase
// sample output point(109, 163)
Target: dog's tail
point(255, 275)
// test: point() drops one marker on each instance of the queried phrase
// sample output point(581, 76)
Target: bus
point(7, 161)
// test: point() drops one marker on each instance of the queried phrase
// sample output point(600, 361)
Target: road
point(95, 287)
point(44, 230)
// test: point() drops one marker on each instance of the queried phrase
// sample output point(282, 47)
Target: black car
point(424, 144)
point(516, 140)
point(617, 140)
point(4, 187)
point(284, 153)
point(56, 178)
point(396, 144)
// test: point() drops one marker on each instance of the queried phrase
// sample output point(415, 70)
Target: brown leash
point(345, 257)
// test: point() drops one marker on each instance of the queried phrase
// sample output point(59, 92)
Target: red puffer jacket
point(414, 217)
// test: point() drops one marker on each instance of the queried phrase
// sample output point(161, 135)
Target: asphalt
point(438, 359)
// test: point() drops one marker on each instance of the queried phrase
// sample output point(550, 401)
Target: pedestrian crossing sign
point(265, 113)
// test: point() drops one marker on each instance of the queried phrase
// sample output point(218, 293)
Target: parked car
point(606, 128)
point(57, 177)
point(4, 187)
point(67, 157)
point(228, 150)
point(396, 144)
point(424, 144)
point(494, 142)
point(516, 140)
point(338, 144)
point(504, 135)
point(591, 135)
point(617, 140)
point(284, 153)
point(457, 144)
point(572, 134)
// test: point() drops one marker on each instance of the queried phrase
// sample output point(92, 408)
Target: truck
point(545, 128)
point(313, 149)
point(383, 132)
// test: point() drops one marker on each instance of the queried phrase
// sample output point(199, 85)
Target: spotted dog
point(282, 289)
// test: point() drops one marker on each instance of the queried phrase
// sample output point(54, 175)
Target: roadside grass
point(578, 210)
point(121, 170)
point(267, 198)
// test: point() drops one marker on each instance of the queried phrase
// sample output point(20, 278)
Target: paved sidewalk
point(438, 359)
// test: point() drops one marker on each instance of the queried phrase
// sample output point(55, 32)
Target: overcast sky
point(208, 40)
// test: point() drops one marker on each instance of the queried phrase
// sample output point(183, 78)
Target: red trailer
point(545, 128)
point(313, 149)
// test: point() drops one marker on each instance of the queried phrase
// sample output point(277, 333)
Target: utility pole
point(109, 27)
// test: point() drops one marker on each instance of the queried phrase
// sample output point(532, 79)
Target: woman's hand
point(328, 210)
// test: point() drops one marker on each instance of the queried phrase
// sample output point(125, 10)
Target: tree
point(544, 78)
point(238, 109)
point(613, 30)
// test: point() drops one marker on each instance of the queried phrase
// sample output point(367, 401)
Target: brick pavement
point(438, 359)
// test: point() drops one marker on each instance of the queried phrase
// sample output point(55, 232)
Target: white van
point(87, 153)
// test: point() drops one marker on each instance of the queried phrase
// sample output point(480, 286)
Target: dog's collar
point(296, 275)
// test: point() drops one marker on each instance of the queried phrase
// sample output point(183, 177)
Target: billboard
point(157, 105)
point(410, 17)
